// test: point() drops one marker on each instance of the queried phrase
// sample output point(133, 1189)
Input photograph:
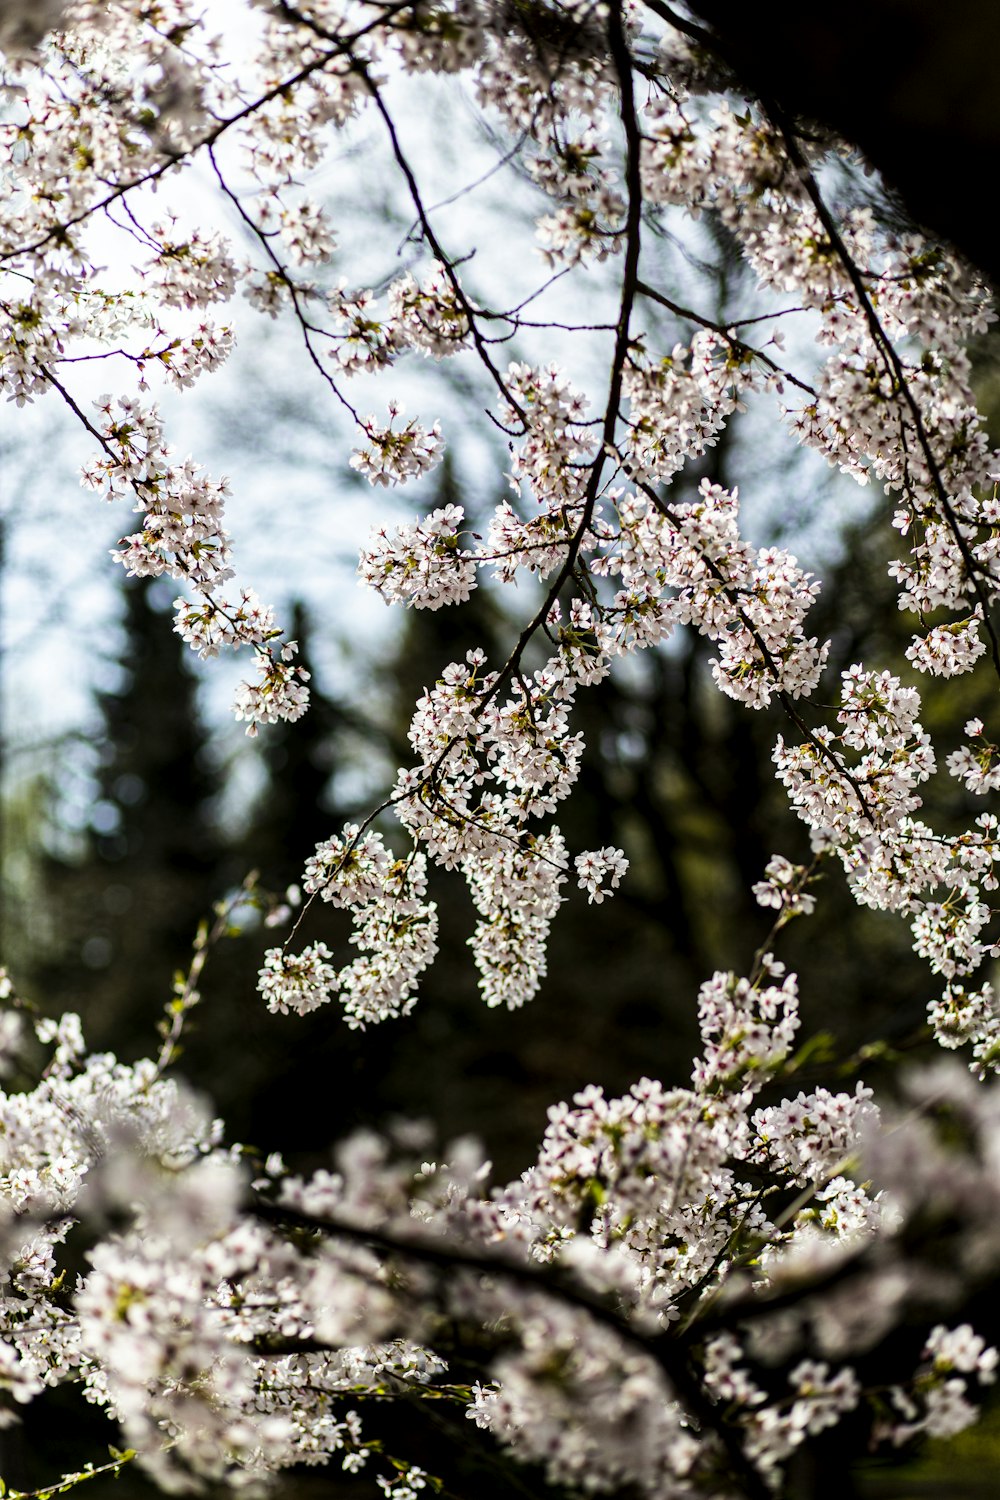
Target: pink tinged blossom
point(600, 871)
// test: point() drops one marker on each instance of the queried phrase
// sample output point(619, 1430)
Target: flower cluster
point(395, 931)
point(597, 866)
point(396, 454)
point(429, 316)
point(298, 982)
point(422, 564)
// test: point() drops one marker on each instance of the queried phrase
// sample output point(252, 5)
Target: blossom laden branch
point(640, 1266)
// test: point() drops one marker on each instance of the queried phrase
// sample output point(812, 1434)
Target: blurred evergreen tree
point(146, 866)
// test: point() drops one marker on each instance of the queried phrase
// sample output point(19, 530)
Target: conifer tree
point(152, 855)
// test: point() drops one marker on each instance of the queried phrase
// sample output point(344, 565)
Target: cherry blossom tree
point(689, 1285)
